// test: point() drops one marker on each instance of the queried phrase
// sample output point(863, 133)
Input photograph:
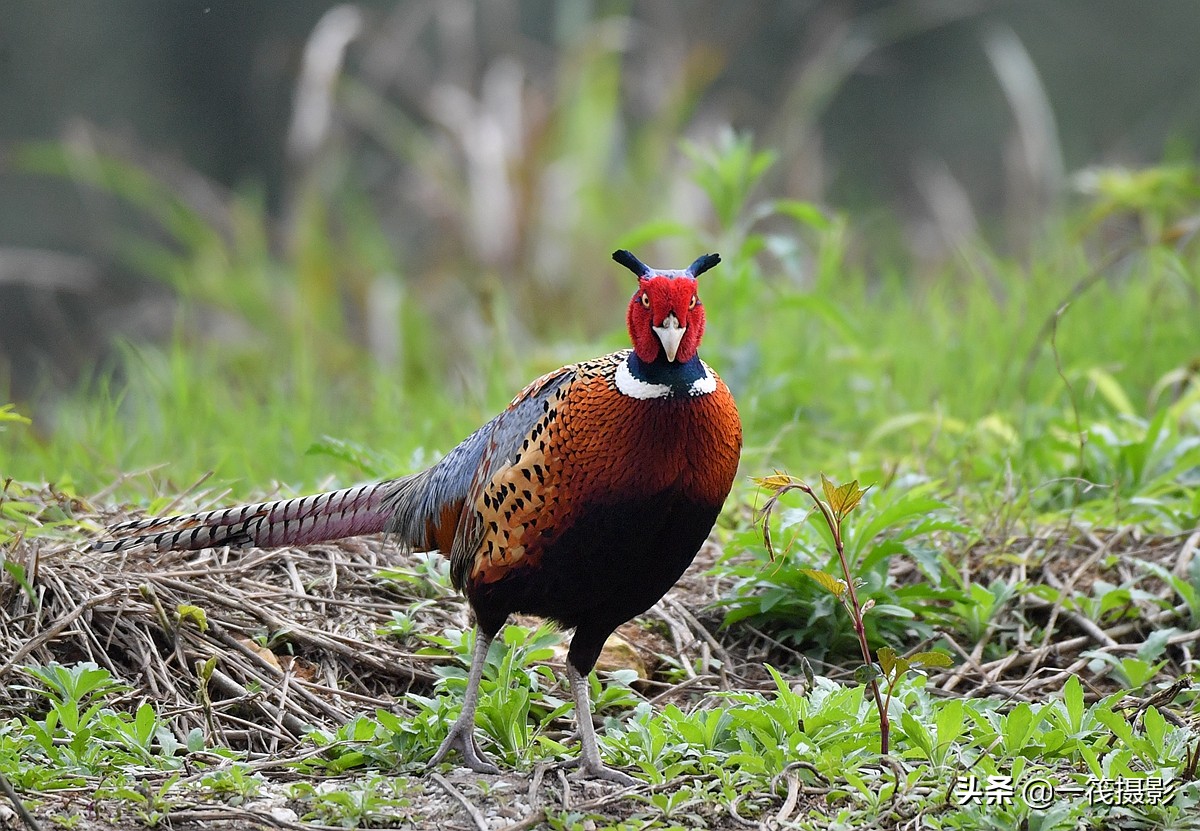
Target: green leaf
point(828, 582)
point(896, 518)
point(774, 483)
point(889, 660)
point(1111, 391)
point(842, 499)
point(1155, 726)
point(1156, 643)
point(185, 612)
point(195, 740)
point(17, 572)
point(917, 734)
point(938, 660)
point(865, 673)
point(9, 414)
point(1073, 700)
point(949, 722)
point(895, 610)
point(1017, 727)
point(805, 213)
point(1116, 723)
point(204, 669)
point(840, 322)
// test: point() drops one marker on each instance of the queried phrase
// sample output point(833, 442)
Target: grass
point(1029, 427)
point(958, 375)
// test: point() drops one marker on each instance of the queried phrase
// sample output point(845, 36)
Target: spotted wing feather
point(516, 501)
point(511, 439)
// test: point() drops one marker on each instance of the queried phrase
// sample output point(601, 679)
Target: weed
point(779, 595)
point(517, 684)
point(367, 802)
point(235, 784)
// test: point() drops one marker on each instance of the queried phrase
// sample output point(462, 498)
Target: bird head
point(666, 317)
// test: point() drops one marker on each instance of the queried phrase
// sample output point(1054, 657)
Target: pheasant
point(582, 502)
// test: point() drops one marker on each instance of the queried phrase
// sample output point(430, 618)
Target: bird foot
point(462, 739)
point(598, 770)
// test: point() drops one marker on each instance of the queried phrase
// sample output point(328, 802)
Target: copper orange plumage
point(582, 502)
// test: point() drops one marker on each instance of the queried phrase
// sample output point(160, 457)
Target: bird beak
point(670, 334)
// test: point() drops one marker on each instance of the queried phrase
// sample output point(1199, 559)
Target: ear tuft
point(703, 264)
point(631, 262)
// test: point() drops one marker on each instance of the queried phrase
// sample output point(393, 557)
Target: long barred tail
point(309, 519)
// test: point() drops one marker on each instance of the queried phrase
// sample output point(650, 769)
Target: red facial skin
point(665, 295)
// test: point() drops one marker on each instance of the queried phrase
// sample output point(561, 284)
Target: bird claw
point(598, 770)
point(462, 738)
point(608, 775)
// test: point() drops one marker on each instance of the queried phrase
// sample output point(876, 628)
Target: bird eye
point(692, 305)
point(646, 300)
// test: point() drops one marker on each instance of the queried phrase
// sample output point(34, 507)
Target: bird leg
point(589, 763)
point(462, 733)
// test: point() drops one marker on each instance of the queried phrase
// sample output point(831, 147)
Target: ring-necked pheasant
point(583, 502)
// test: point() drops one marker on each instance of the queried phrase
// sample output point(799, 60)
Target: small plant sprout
point(893, 666)
point(838, 502)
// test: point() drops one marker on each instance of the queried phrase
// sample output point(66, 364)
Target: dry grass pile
point(257, 647)
point(1060, 623)
point(254, 647)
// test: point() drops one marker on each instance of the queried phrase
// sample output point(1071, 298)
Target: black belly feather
point(614, 562)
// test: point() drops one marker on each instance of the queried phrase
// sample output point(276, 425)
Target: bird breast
point(595, 446)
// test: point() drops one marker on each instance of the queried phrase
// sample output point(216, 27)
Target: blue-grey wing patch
point(421, 503)
point(430, 508)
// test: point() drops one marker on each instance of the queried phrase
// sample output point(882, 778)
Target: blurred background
point(427, 186)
